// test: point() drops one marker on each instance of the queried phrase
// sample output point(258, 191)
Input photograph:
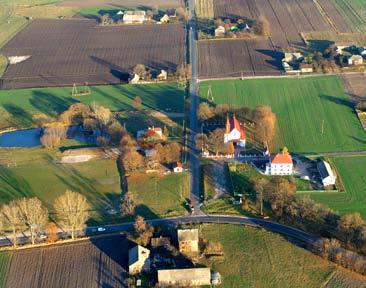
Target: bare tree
point(265, 125)
point(142, 71)
point(182, 13)
point(128, 204)
point(262, 26)
point(201, 141)
point(73, 211)
point(216, 140)
point(13, 219)
point(34, 215)
point(143, 231)
point(101, 114)
point(184, 72)
point(205, 112)
point(116, 131)
point(53, 136)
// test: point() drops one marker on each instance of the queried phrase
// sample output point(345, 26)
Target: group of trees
point(262, 118)
point(279, 195)
point(72, 210)
point(183, 72)
point(93, 117)
point(132, 160)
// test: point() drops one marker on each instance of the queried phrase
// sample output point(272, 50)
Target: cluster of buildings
point(141, 260)
point(295, 63)
point(354, 53)
point(221, 30)
point(140, 16)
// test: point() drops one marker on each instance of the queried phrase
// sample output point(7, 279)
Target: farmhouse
point(130, 17)
point(188, 240)
point(153, 132)
point(184, 277)
point(177, 167)
point(219, 31)
point(138, 259)
point(234, 132)
point(290, 57)
point(280, 164)
point(355, 60)
point(326, 173)
point(164, 19)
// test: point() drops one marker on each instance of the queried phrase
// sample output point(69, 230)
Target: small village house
point(355, 60)
point(188, 240)
point(280, 164)
point(234, 132)
point(187, 277)
point(150, 132)
point(164, 19)
point(326, 174)
point(162, 76)
point(293, 56)
point(134, 17)
point(306, 68)
point(138, 260)
point(220, 31)
point(135, 79)
point(177, 167)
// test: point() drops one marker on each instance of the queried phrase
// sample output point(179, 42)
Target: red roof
point(232, 124)
point(282, 158)
point(178, 164)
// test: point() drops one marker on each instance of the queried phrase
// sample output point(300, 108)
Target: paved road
point(193, 153)
point(220, 219)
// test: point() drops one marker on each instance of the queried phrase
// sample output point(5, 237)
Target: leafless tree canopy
point(143, 231)
point(34, 215)
point(53, 136)
point(72, 210)
point(128, 204)
point(13, 219)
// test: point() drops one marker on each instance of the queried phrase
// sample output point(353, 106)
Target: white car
point(101, 229)
point(43, 236)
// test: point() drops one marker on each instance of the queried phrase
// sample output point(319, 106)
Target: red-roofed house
point(150, 132)
point(280, 164)
point(177, 167)
point(234, 132)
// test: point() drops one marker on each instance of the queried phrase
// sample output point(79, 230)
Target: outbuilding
point(138, 260)
point(187, 277)
point(355, 60)
point(326, 174)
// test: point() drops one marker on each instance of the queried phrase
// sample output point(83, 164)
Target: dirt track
point(64, 52)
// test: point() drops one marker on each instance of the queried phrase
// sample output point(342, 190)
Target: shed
point(326, 173)
point(184, 277)
point(306, 68)
point(177, 167)
point(130, 17)
point(164, 19)
point(171, 12)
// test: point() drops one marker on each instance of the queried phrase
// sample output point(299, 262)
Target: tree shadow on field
point(21, 117)
point(50, 105)
point(275, 55)
point(117, 71)
point(339, 101)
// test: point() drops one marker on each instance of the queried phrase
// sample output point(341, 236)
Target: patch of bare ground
point(355, 85)
point(124, 3)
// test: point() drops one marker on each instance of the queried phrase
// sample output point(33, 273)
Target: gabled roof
point(282, 158)
point(137, 252)
point(178, 164)
point(232, 124)
point(325, 170)
point(188, 235)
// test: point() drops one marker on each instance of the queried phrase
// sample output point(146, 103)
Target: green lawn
point(301, 106)
point(4, 264)
point(18, 106)
point(159, 196)
point(354, 11)
point(34, 172)
point(258, 258)
point(353, 175)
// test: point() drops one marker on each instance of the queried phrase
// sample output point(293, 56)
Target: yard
point(159, 196)
point(33, 172)
point(257, 258)
point(303, 107)
point(351, 170)
point(17, 107)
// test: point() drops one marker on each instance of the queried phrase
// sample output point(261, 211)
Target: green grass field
point(301, 106)
point(158, 196)
point(352, 173)
point(18, 106)
point(34, 172)
point(257, 258)
point(354, 12)
point(4, 264)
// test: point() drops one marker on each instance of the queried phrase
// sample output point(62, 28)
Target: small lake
point(31, 137)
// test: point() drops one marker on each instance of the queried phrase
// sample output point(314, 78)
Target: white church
point(234, 132)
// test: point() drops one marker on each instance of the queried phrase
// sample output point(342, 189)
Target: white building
point(219, 31)
point(234, 132)
point(186, 277)
point(280, 164)
point(326, 174)
point(355, 60)
point(138, 260)
point(131, 17)
point(178, 167)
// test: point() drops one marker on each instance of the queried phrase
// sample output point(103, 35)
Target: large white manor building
point(280, 164)
point(234, 132)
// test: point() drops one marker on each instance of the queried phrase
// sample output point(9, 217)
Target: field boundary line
point(325, 15)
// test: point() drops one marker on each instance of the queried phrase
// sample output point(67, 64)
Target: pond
point(31, 137)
